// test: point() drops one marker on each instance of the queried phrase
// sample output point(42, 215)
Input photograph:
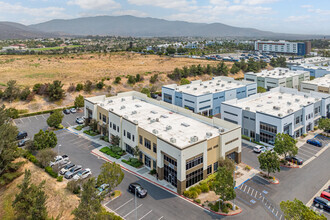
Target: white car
point(60, 160)
point(83, 174)
point(73, 110)
point(259, 149)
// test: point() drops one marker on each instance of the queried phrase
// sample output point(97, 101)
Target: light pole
point(58, 149)
point(135, 204)
point(234, 187)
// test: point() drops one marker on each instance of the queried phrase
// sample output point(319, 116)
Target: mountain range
point(136, 27)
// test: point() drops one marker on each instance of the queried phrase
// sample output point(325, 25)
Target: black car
point(321, 203)
point(21, 135)
point(295, 160)
point(66, 111)
point(154, 96)
point(140, 192)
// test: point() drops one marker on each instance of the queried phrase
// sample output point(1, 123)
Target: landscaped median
point(270, 179)
point(91, 133)
point(115, 152)
point(134, 162)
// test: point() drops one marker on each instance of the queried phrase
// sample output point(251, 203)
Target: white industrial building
point(314, 70)
point(318, 61)
point(282, 46)
point(321, 84)
point(281, 110)
point(285, 77)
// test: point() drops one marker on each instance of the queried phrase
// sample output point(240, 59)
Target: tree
point(55, 91)
point(111, 174)
point(227, 163)
point(138, 78)
point(117, 80)
point(153, 78)
point(88, 86)
point(234, 69)
point(45, 156)
point(100, 85)
point(79, 101)
point(136, 151)
point(296, 210)
point(269, 162)
point(90, 201)
point(146, 91)
point(8, 145)
point(223, 184)
point(30, 202)
point(261, 89)
point(24, 94)
point(115, 140)
point(131, 79)
point(184, 81)
point(285, 145)
point(79, 87)
point(44, 139)
point(170, 50)
point(12, 113)
point(324, 124)
point(55, 119)
point(12, 91)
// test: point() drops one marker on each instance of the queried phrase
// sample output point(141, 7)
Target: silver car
point(72, 172)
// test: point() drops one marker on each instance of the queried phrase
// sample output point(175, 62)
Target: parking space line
point(248, 191)
point(68, 123)
point(43, 116)
point(308, 148)
point(305, 155)
point(252, 192)
point(123, 204)
point(145, 215)
point(308, 151)
point(161, 218)
point(247, 203)
point(132, 211)
point(245, 188)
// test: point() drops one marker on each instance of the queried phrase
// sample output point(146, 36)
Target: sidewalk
point(245, 174)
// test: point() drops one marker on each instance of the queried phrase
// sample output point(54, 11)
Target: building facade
point(321, 84)
point(312, 61)
point(285, 77)
point(206, 97)
point(285, 47)
point(281, 110)
point(315, 71)
point(183, 147)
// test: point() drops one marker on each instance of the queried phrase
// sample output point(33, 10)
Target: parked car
point(21, 135)
point(314, 142)
point(259, 149)
point(271, 142)
point(82, 174)
point(154, 96)
point(294, 159)
point(59, 160)
point(23, 142)
point(73, 110)
point(102, 188)
point(137, 188)
point(67, 168)
point(80, 120)
point(321, 203)
point(72, 172)
point(271, 148)
point(66, 111)
point(325, 194)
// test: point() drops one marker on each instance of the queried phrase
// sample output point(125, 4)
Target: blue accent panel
point(178, 99)
point(217, 99)
point(241, 93)
point(301, 49)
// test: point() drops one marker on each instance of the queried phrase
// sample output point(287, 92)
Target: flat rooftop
point(177, 129)
point(310, 60)
point(217, 84)
point(315, 67)
point(278, 102)
point(321, 81)
point(278, 73)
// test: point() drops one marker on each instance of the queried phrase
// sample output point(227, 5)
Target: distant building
point(315, 71)
point(285, 77)
point(321, 84)
point(320, 61)
point(285, 47)
point(206, 97)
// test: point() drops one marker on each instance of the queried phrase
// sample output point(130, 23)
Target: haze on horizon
point(284, 16)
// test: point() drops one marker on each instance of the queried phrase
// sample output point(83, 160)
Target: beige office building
point(182, 146)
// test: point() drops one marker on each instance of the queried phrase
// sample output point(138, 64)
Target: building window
point(117, 128)
point(124, 133)
point(246, 132)
point(170, 160)
point(104, 119)
point(114, 126)
point(110, 124)
point(231, 141)
point(147, 143)
point(141, 140)
point(154, 147)
point(230, 113)
point(167, 98)
point(194, 177)
point(129, 135)
point(100, 116)
point(252, 134)
point(297, 120)
point(209, 169)
point(133, 138)
point(194, 162)
point(204, 101)
point(215, 146)
point(267, 127)
point(215, 166)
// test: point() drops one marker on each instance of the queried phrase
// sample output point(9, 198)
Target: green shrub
point(51, 172)
point(153, 172)
point(79, 127)
point(224, 208)
point(195, 189)
point(59, 178)
point(210, 204)
point(204, 187)
point(247, 167)
point(197, 201)
point(73, 186)
point(215, 207)
point(9, 177)
point(60, 126)
point(79, 87)
point(186, 194)
point(133, 162)
point(245, 137)
point(32, 158)
point(91, 133)
point(229, 205)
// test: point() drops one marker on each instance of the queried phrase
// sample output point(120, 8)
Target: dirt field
point(31, 69)
point(60, 202)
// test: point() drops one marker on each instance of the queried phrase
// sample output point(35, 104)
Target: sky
point(284, 16)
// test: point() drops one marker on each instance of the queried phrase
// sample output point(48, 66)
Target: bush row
point(134, 162)
point(109, 152)
point(43, 112)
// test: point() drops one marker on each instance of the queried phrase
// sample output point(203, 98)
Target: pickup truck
point(59, 160)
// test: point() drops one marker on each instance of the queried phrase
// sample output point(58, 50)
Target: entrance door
point(232, 156)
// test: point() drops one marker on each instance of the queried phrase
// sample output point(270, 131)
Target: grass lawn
point(54, 48)
point(79, 127)
point(116, 153)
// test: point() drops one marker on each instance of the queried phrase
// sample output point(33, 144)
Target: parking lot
point(33, 124)
point(308, 151)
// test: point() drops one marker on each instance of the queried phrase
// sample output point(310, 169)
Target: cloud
point(102, 5)
point(48, 12)
point(306, 6)
point(219, 2)
point(319, 11)
point(176, 4)
point(130, 12)
point(257, 2)
point(297, 18)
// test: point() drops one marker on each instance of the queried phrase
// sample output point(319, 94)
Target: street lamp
point(58, 149)
point(135, 204)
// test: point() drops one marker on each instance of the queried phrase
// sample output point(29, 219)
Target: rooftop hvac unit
point(218, 84)
point(247, 108)
point(219, 80)
point(306, 96)
point(134, 112)
point(193, 139)
point(269, 102)
point(188, 87)
point(185, 124)
point(222, 85)
point(153, 112)
point(137, 105)
point(276, 107)
point(301, 106)
point(210, 82)
point(135, 121)
point(195, 88)
point(157, 119)
point(221, 130)
point(205, 87)
point(172, 140)
point(280, 97)
point(155, 131)
point(122, 99)
point(208, 134)
point(164, 116)
point(101, 104)
point(111, 109)
point(152, 120)
point(289, 111)
point(168, 127)
point(286, 71)
point(309, 102)
point(259, 105)
point(110, 101)
point(289, 103)
point(229, 81)
point(122, 107)
point(297, 100)
point(280, 114)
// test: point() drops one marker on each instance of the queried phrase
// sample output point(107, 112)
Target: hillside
point(11, 30)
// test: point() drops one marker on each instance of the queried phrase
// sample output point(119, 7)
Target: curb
point(278, 182)
point(157, 184)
